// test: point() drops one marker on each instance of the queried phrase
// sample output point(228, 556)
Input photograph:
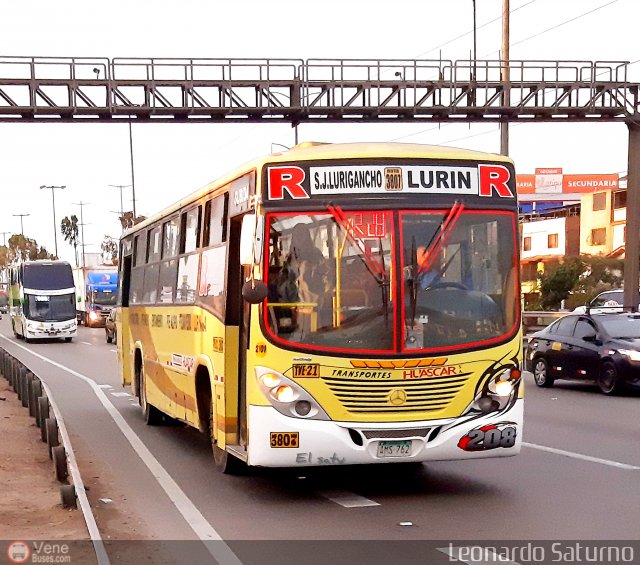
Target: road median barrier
point(35, 395)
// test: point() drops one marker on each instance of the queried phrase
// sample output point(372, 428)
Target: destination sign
point(293, 182)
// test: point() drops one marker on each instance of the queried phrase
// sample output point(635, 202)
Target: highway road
point(577, 478)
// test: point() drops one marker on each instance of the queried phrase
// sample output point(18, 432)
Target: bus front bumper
point(46, 331)
point(274, 443)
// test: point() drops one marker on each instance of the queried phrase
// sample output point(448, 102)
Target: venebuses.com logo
point(18, 552)
point(38, 552)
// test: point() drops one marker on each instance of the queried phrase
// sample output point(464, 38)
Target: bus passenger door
point(123, 330)
point(237, 322)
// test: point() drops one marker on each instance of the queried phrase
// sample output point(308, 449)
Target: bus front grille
point(396, 396)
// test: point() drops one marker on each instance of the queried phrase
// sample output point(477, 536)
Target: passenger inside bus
point(303, 278)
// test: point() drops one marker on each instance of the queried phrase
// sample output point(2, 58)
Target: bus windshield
point(47, 308)
point(334, 279)
point(48, 276)
point(104, 297)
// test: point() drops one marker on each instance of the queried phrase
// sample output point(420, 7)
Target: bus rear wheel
point(223, 460)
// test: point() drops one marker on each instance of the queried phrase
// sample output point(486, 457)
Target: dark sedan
point(601, 347)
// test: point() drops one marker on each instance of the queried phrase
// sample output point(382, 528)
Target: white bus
point(42, 300)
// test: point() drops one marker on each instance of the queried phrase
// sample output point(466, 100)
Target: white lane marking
point(119, 394)
point(348, 499)
point(205, 531)
point(105, 386)
point(113, 350)
point(86, 343)
point(582, 457)
point(472, 553)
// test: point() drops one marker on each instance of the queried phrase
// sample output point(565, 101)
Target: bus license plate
point(306, 370)
point(394, 448)
point(285, 440)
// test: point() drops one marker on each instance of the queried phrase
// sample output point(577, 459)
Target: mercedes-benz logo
point(397, 396)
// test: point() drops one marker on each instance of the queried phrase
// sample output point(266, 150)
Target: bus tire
point(151, 415)
point(60, 463)
point(222, 459)
point(68, 339)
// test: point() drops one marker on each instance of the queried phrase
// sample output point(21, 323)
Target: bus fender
point(204, 363)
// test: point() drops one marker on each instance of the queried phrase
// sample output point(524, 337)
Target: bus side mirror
point(251, 240)
point(254, 291)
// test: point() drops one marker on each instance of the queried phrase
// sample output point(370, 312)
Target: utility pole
point(121, 186)
point(82, 205)
point(133, 181)
point(505, 78)
point(4, 236)
point(473, 77)
point(55, 227)
point(21, 223)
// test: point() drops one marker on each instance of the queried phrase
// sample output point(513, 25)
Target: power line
point(556, 26)
point(471, 31)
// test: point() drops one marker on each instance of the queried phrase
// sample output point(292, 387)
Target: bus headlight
point(270, 380)
point(284, 393)
point(93, 316)
point(504, 388)
point(287, 396)
point(499, 389)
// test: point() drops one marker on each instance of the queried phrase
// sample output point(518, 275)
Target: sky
point(173, 160)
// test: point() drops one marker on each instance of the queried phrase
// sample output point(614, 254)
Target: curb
point(35, 395)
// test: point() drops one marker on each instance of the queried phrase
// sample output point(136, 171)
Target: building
point(547, 238)
point(604, 222)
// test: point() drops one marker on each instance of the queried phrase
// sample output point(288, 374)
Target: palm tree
point(69, 230)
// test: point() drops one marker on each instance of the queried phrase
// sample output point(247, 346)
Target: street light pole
point(55, 226)
point(21, 224)
point(82, 205)
point(4, 237)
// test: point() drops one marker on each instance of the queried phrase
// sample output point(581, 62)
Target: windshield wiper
point(376, 266)
point(370, 261)
point(440, 236)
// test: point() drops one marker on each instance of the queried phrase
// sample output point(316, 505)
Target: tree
point(109, 249)
point(556, 285)
point(601, 273)
point(69, 230)
point(23, 248)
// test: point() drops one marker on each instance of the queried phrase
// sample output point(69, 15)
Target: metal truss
point(295, 91)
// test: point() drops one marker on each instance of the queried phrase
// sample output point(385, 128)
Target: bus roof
point(311, 151)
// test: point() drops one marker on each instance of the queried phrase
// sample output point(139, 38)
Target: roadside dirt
point(30, 504)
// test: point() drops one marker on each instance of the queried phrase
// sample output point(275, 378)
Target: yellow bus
point(333, 304)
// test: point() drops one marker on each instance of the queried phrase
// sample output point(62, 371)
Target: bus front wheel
point(223, 460)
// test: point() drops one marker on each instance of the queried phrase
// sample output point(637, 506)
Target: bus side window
point(190, 230)
point(215, 221)
point(140, 256)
